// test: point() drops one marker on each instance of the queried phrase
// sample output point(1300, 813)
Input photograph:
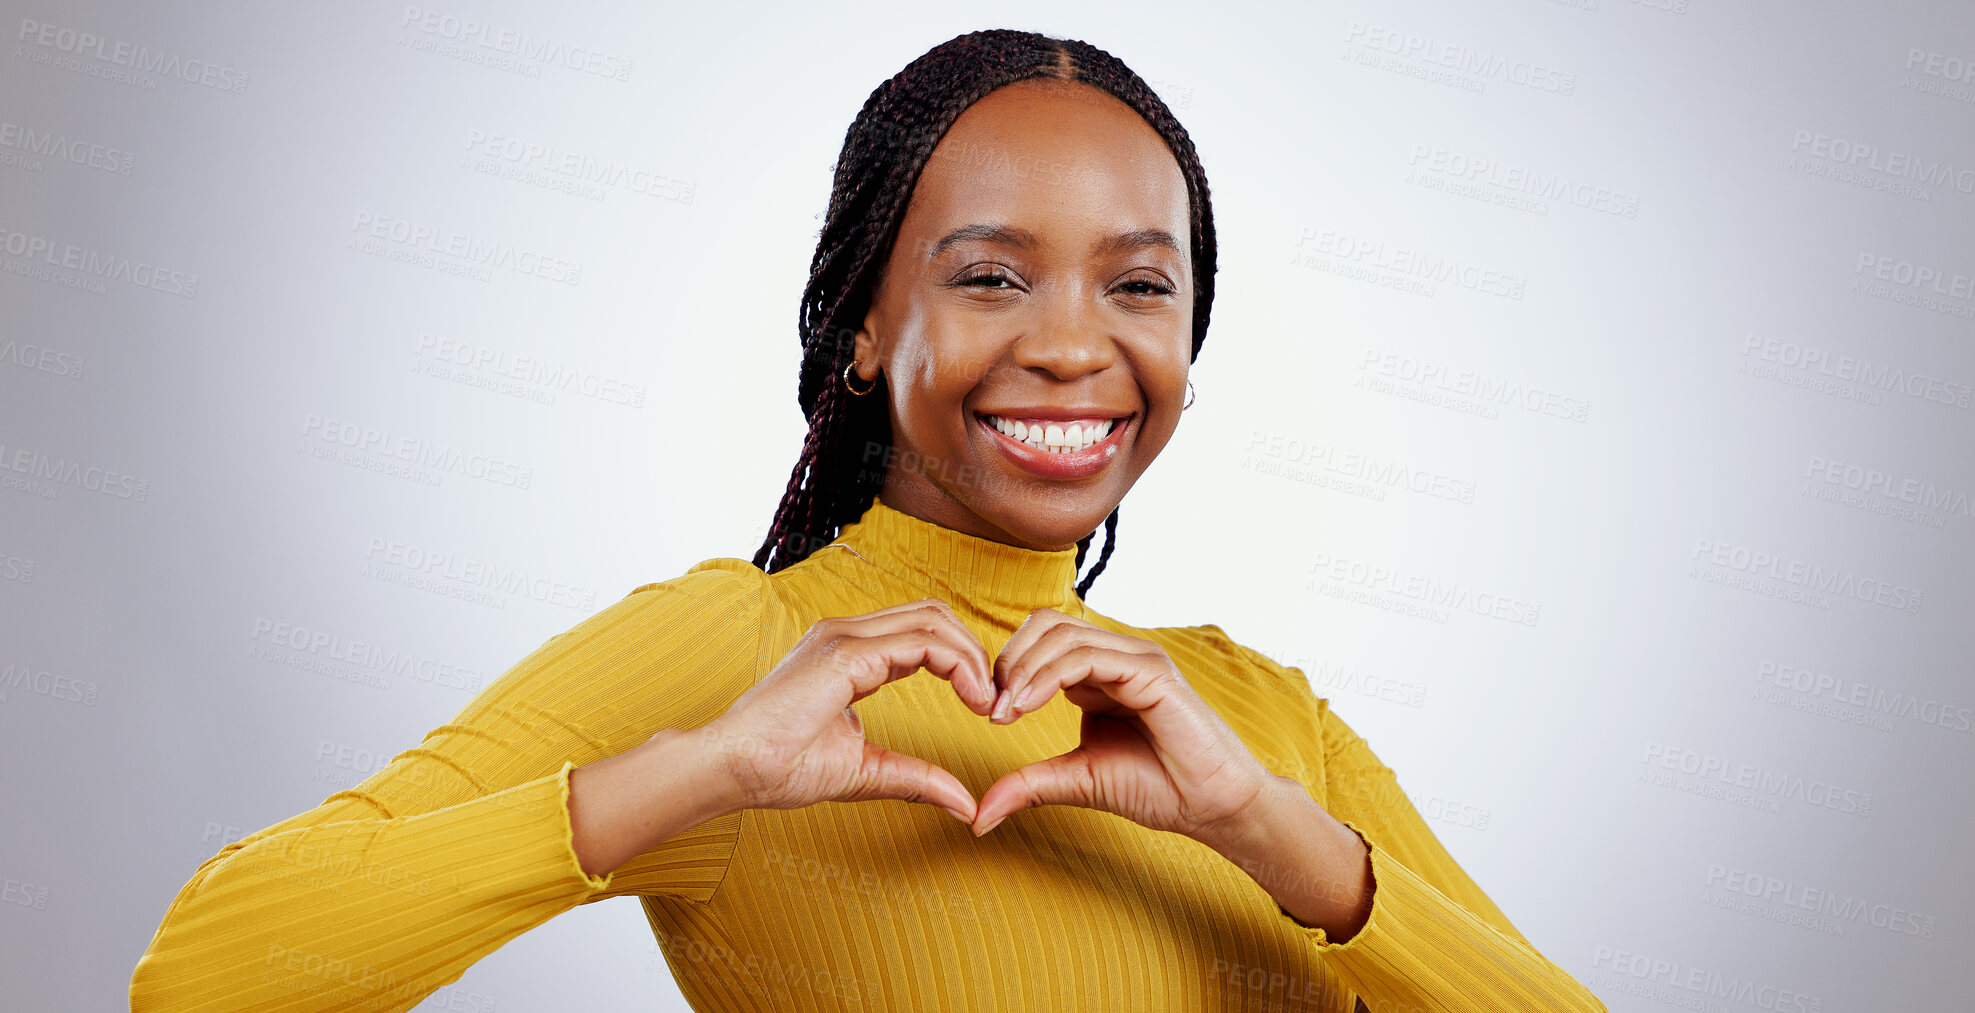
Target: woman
point(813, 768)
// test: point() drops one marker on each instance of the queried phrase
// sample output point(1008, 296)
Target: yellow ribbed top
point(387, 891)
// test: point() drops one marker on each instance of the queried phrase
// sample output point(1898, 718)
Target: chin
point(1051, 517)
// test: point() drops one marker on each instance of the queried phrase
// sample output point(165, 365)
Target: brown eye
point(974, 279)
point(1150, 287)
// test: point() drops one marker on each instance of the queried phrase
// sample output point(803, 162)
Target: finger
point(1133, 681)
point(839, 668)
point(1030, 680)
point(1033, 628)
point(974, 685)
point(1067, 779)
point(871, 662)
point(885, 774)
point(1190, 737)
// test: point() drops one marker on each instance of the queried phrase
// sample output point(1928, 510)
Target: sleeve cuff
point(568, 829)
point(1419, 947)
point(1382, 874)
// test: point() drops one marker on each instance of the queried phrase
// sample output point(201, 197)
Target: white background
point(1692, 397)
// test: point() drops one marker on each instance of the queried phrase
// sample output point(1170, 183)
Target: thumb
point(1059, 780)
point(885, 774)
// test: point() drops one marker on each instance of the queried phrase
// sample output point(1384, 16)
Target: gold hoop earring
point(1189, 396)
point(846, 380)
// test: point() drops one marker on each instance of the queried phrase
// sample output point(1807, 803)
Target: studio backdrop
point(1586, 413)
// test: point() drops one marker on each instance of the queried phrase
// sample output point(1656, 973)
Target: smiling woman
point(897, 760)
point(1047, 307)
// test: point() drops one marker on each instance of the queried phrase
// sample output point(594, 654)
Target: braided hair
point(884, 151)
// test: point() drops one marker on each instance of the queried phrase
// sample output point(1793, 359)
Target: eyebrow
point(1009, 235)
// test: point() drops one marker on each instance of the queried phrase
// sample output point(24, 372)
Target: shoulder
point(721, 599)
point(1267, 703)
point(721, 577)
point(723, 586)
point(1207, 652)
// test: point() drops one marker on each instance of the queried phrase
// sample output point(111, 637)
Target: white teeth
point(1055, 439)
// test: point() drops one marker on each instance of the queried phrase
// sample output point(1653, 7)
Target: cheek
point(925, 397)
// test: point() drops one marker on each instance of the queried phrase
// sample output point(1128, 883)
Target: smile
point(1055, 436)
point(1056, 448)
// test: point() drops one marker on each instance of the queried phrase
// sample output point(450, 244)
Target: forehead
point(1062, 159)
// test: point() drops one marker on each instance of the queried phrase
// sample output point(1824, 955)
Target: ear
point(865, 347)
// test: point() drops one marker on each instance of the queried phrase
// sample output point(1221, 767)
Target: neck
point(913, 494)
point(996, 580)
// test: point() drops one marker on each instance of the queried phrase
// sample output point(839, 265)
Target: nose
point(1066, 336)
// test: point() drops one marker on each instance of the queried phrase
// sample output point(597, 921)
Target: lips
point(1056, 464)
point(1052, 435)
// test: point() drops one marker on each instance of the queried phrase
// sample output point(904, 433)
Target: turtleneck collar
point(1001, 582)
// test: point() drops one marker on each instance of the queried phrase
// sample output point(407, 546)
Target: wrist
point(1249, 834)
point(1314, 866)
point(698, 763)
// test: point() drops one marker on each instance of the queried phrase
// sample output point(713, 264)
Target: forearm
point(1316, 868)
point(624, 805)
point(269, 923)
point(1384, 928)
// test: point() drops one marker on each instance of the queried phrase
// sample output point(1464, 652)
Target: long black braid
point(884, 150)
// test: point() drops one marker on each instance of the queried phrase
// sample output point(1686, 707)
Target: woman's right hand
point(793, 740)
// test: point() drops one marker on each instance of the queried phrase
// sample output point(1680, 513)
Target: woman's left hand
point(1152, 751)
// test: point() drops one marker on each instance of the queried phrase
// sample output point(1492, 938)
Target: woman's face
point(1041, 275)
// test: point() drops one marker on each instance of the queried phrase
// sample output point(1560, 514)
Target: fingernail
point(989, 827)
point(958, 816)
point(1001, 705)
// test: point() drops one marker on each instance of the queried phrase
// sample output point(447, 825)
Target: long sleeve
point(1434, 940)
point(389, 890)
